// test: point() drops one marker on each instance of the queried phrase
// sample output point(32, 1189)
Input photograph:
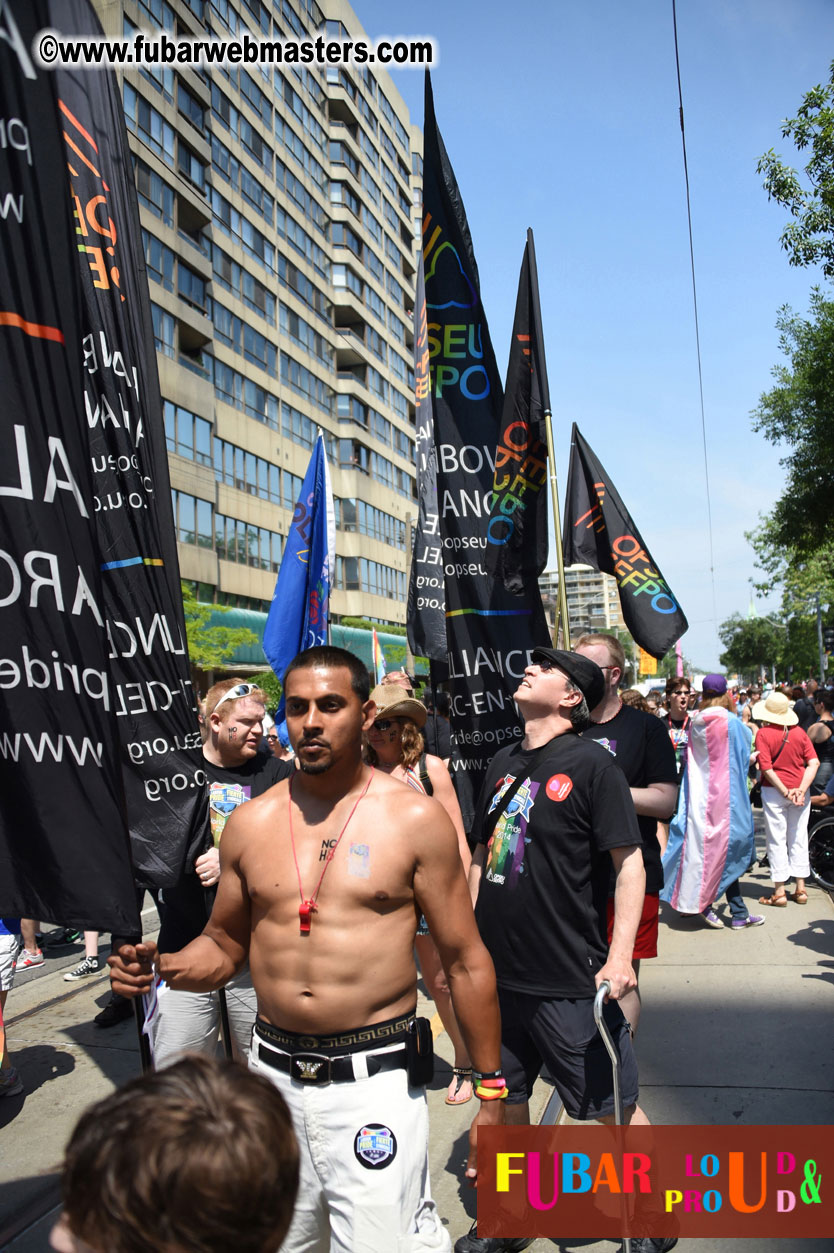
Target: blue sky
point(564, 117)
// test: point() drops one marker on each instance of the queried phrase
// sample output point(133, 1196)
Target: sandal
point(779, 901)
point(801, 897)
point(461, 1075)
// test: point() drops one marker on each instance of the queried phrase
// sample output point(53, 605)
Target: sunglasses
point(236, 693)
point(272, 739)
point(385, 724)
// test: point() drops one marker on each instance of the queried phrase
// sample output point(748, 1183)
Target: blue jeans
point(735, 900)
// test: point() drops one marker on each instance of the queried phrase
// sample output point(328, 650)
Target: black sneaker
point(653, 1244)
point(473, 1243)
point(118, 1009)
point(63, 938)
point(89, 966)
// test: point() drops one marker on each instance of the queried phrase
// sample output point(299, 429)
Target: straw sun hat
point(391, 702)
point(776, 709)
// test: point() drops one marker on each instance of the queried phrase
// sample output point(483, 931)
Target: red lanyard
point(308, 904)
point(680, 732)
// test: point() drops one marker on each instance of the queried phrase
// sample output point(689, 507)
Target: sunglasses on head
point(236, 693)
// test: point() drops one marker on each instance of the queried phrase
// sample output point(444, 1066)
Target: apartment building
point(280, 214)
point(593, 600)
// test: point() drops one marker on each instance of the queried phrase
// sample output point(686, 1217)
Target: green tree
point(210, 646)
point(271, 684)
point(800, 578)
point(750, 643)
point(799, 412)
point(809, 238)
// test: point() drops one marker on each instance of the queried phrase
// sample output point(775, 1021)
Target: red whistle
point(305, 913)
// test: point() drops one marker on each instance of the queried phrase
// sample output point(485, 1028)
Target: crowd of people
point(339, 854)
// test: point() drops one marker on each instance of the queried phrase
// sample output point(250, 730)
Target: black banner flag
point(165, 784)
point(517, 530)
point(64, 850)
point(426, 615)
point(599, 533)
point(72, 263)
point(490, 632)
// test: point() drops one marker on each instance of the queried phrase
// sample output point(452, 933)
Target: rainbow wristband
point(496, 1081)
point(491, 1094)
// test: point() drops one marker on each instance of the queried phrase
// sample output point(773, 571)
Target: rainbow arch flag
point(379, 657)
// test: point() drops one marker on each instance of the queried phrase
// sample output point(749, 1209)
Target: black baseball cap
point(585, 673)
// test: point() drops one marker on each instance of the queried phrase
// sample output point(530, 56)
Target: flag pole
point(320, 435)
point(557, 527)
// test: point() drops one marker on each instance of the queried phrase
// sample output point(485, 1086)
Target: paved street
point(737, 1027)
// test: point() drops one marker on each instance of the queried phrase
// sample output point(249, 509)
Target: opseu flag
point(426, 615)
point(300, 606)
point(155, 705)
point(64, 851)
point(379, 657)
point(490, 632)
point(517, 532)
point(599, 533)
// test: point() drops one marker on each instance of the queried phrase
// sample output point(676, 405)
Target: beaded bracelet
point(492, 1094)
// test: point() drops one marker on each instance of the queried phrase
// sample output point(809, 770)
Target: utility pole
point(819, 639)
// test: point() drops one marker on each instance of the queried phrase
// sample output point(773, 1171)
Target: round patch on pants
point(375, 1146)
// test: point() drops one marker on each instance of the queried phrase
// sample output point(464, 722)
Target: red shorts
point(645, 944)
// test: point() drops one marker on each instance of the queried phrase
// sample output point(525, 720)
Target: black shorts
point(561, 1034)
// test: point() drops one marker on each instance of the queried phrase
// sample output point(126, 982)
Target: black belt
point(319, 1069)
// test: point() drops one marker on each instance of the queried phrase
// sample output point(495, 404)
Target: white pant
point(786, 829)
point(364, 1163)
point(8, 955)
point(189, 1022)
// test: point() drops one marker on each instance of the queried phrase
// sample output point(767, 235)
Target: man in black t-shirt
point(553, 814)
point(237, 771)
point(643, 750)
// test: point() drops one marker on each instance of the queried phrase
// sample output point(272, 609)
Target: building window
point(164, 331)
point(192, 519)
point(186, 434)
point(154, 193)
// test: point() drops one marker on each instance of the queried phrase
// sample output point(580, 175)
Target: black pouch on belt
point(420, 1052)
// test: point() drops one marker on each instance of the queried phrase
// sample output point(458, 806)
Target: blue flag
point(299, 612)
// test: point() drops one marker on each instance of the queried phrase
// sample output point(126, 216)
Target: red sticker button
point(559, 787)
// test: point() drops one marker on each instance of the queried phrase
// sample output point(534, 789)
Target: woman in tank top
point(821, 735)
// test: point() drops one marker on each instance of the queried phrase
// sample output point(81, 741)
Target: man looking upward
point(553, 814)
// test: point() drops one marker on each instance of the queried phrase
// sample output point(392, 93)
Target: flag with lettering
point(517, 531)
point(490, 631)
point(426, 613)
point(64, 848)
point(153, 698)
point(599, 532)
point(300, 608)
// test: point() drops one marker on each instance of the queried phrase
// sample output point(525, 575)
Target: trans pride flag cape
point(711, 835)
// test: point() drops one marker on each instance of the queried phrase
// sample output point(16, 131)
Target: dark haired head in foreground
point(198, 1158)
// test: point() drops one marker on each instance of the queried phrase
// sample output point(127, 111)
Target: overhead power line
point(697, 323)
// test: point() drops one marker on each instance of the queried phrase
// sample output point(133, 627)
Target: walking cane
point(602, 1027)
